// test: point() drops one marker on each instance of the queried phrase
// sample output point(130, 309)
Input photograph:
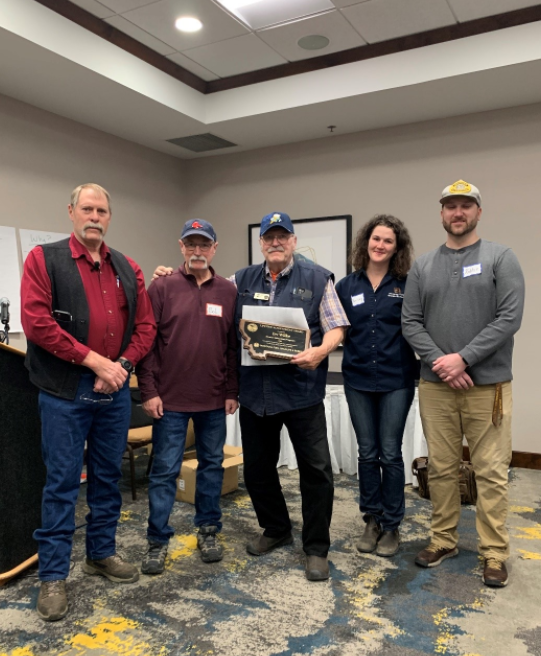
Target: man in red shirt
point(88, 320)
point(190, 373)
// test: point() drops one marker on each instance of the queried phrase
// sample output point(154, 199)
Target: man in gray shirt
point(463, 303)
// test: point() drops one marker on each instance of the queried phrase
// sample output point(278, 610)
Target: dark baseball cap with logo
point(276, 220)
point(198, 227)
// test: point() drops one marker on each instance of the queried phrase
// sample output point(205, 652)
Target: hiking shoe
point(388, 543)
point(52, 600)
point(317, 568)
point(495, 573)
point(207, 543)
point(154, 559)
point(113, 568)
point(264, 544)
point(433, 556)
point(369, 538)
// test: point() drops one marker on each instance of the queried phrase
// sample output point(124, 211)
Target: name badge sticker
point(214, 310)
point(261, 297)
point(472, 270)
point(357, 300)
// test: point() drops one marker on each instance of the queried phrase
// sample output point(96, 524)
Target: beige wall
point(400, 171)
point(43, 157)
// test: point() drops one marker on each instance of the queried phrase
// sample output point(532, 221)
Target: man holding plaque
point(290, 394)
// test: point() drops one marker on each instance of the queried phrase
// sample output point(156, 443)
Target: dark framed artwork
point(325, 241)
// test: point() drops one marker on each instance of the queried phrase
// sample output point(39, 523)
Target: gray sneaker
point(52, 600)
point(207, 543)
point(154, 559)
point(113, 568)
point(370, 536)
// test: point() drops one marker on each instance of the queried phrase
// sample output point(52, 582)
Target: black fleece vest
point(49, 373)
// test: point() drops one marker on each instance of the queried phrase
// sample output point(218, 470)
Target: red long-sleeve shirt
point(193, 365)
point(107, 305)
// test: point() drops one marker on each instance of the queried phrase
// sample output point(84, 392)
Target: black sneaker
point(207, 543)
point(154, 559)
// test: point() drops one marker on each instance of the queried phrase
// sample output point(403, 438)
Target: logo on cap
point(460, 187)
point(196, 224)
point(276, 218)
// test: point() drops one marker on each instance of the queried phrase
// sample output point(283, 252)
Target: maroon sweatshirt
point(193, 364)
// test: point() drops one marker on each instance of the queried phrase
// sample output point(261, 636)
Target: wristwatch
point(126, 364)
point(465, 361)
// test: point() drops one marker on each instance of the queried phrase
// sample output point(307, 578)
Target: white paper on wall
point(10, 276)
point(31, 238)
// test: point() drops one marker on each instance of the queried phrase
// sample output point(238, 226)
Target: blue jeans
point(65, 426)
point(379, 419)
point(168, 441)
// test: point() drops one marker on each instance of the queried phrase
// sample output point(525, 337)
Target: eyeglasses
point(204, 248)
point(281, 237)
point(95, 397)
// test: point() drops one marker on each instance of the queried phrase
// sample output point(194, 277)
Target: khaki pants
point(447, 415)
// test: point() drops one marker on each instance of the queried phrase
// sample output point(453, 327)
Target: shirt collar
point(183, 270)
point(80, 250)
point(284, 272)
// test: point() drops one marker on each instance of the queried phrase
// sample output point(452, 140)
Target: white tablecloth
point(341, 436)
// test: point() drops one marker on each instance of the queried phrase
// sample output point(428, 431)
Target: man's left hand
point(309, 359)
point(231, 406)
point(449, 366)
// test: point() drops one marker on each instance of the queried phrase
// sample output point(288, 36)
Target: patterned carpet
point(264, 606)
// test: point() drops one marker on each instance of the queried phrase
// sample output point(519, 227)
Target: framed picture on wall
point(325, 241)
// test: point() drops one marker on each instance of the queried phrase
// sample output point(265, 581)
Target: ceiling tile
point(466, 10)
point(159, 19)
point(120, 6)
point(380, 20)
point(234, 56)
point(331, 24)
point(192, 66)
point(137, 33)
point(346, 3)
point(94, 7)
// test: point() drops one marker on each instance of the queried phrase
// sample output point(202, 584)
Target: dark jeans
point(261, 449)
point(379, 419)
point(65, 425)
point(168, 441)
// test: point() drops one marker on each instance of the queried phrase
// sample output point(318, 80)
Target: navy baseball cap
point(276, 220)
point(198, 227)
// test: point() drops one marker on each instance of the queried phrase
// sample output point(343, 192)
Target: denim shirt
point(377, 358)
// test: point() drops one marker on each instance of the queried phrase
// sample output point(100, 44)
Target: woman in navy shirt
point(379, 370)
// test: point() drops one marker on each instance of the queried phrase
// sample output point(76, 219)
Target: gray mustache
point(95, 226)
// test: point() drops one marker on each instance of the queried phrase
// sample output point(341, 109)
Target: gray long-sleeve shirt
point(467, 301)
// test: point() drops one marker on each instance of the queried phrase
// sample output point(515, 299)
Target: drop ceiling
point(54, 63)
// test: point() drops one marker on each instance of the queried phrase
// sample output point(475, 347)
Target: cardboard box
point(186, 480)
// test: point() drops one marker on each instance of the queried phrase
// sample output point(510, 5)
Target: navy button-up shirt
point(377, 358)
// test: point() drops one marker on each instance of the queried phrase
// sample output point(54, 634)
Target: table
point(341, 436)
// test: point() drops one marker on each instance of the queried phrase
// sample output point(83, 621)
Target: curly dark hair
point(401, 261)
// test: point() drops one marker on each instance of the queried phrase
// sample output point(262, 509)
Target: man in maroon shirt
point(190, 373)
point(88, 320)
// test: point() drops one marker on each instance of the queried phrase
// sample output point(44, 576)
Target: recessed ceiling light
point(313, 42)
point(188, 24)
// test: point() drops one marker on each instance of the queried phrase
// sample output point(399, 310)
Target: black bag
point(466, 480)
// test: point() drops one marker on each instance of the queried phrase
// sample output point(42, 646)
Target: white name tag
point(472, 270)
point(214, 310)
point(357, 300)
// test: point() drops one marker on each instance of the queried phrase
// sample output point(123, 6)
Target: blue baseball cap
point(198, 227)
point(276, 220)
